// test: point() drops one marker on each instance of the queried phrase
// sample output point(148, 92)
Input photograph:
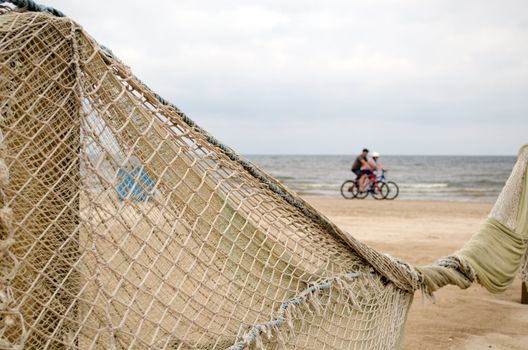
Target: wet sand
point(420, 232)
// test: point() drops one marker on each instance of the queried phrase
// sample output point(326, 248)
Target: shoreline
point(309, 197)
point(420, 232)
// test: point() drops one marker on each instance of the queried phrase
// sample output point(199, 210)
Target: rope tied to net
point(287, 311)
point(31, 5)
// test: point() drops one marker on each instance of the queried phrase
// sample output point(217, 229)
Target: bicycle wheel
point(379, 190)
point(357, 193)
point(346, 189)
point(394, 190)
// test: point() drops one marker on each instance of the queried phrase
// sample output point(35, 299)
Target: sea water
point(452, 178)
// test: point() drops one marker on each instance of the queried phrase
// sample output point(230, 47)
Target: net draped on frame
point(124, 225)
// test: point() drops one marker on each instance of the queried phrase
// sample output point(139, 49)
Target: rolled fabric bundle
point(495, 254)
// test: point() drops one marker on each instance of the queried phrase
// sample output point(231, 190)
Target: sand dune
point(419, 232)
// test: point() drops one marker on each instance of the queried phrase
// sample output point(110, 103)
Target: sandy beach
point(420, 232)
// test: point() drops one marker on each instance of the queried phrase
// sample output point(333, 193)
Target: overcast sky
point(333, 76)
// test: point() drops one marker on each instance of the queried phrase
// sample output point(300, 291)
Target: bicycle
point(394, 190)
point(378, 189)
point(346, 189)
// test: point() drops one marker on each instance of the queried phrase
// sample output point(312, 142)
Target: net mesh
point(128, 228)
point(124, 225)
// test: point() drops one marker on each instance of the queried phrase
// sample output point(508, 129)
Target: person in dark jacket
point(362, 168)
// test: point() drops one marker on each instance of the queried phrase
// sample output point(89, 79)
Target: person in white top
point(375, 162)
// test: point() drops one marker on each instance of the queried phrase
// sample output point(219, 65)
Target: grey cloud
point(378, 68)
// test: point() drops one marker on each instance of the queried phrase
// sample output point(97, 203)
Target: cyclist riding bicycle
point(362, 168)
point(394, 190)
point(375, 163)
point(367, 182)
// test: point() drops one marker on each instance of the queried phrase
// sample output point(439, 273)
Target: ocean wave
point(424, 185)
point(284, 177)
point(479, 190)
point(313, 186)
point(480, 182)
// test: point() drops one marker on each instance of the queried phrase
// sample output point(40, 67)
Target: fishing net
point(125, 225)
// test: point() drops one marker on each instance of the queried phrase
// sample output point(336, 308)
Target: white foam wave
point(423, 185)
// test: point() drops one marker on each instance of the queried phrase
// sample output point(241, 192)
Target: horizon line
point(384, 155)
